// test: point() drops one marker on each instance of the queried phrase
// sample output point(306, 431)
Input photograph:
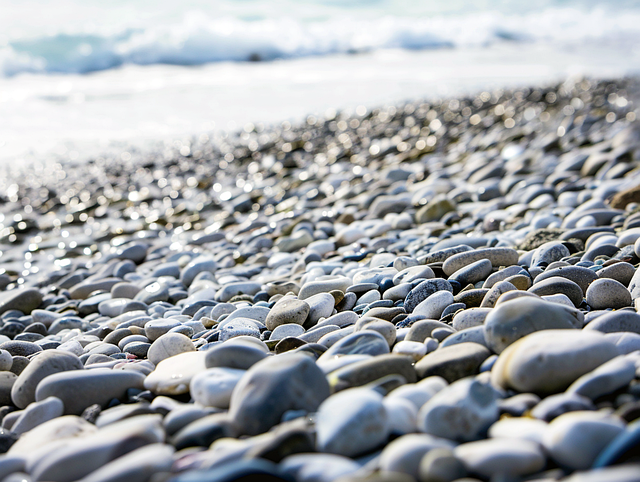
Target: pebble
point(501, 457)
point(549, 361)
point(168, 345)
point(607, 378)
point(404, 454)
point(45, 364)
point(79, 389)
point(515, 319)
point(608, 293)
point(351, 423)
point(287, 311)
point(274, 386)
point(38, 413)
point(434, 305)
point(574, 440)
point(453, 362)
point(462, 411)
point(214, 386)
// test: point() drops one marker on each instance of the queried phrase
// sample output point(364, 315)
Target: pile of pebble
point(436, 291)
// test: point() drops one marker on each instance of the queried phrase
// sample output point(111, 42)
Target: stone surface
point(462, 412)
point(351, 423)
point(45, 364)
point(80, 388)
point(273, 386)
point(512, 320)
point(549, 361)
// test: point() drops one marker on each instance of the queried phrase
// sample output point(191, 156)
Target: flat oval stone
point(555, 405)
point(25, 300)
point(79, 389)
point(470, 318)
point(549, 361)
point(521, 428)
point(514, 319)
point(608, 293)
point(351, 423)
point(434, 305)
point(495, 292)
point(45, 364)
point(607, 378)
point(622, 272)
point(453, 362)
point(404, 454)
point(37, 413)
point(196, 266)
point(272, 387)
point(168, 345)
point(20, 348)
point(558, 284)
point(548, 253)
point(422, 329)
point(505, 457)
point(82, 290)
point(575, 439)
point(496, 256)
point(473, 272)
point(614, 322)
point(320, 306)
point(470, 335)
point(173, 375)
point(501, 275)
point(359, 343)
point(238, 327)
point(367, 371)
point(154, 329)
point(324, 286)
point(583, 277)
point(233, 355)
point(285, 331)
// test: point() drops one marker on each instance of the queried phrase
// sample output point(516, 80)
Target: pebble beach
point(434, 291)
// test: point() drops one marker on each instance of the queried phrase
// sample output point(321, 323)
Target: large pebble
point(45, 364)
point(514, 319)
point(463, 411)
point(501, 457)
point(287, 311)
point(272, 387)
point(213, 387)
point(352, 422)
point(549, 361)
point(575, 439)
point(80, 388)
point(607, 293)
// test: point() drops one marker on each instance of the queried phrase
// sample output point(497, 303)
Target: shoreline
point(434, 288)
point(59, 114)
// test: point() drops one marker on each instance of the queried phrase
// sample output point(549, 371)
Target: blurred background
point(77, 76)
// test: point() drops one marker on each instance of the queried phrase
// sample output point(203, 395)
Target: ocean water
point(85, 73)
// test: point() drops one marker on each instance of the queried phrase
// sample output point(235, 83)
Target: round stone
point(168, 345)
point(608, 293)
point(287, 311)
